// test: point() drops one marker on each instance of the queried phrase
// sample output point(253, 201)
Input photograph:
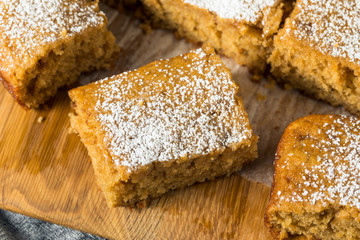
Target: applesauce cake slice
point(316, 187)
point(163, 126)
point(241, 29)
point(47, 44)
point(318, 51)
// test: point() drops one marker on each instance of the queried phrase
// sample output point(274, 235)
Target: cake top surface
point(178, 108)
point(330, 26)
point(250, 11)
point(319, 162)
point(27, 26)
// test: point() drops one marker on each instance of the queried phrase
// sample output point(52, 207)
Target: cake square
point(316, 186)
point(318, 51)
point(163, 126)
point(46, 44)
point(241, 29)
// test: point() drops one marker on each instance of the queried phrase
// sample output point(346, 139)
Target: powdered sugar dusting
point(242, 10)
point(27, 25)
point(179, 108)
point(331, 26)
point(330, 173)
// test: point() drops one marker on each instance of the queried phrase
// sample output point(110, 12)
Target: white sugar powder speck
point(242, 10)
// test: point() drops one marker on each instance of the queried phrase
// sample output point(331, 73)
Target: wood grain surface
point(45, 172)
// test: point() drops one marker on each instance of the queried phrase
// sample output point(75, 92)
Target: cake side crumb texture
point(191, 113)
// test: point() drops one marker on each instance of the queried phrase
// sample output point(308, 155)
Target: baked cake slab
point(316, 187)
point(47, 44)
point(163, 126)
point(318, 51)
point(239, 29)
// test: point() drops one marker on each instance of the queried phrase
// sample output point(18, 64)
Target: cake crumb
point(40, 119)
point(270, 84)
point(71, 130)
point(256, 78)
point(288, 86)
point(146, 28)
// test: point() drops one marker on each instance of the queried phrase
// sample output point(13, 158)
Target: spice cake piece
point(163, 126)
point(316, 187)
point(241, 29)
point(318, 51)
point(47, 44)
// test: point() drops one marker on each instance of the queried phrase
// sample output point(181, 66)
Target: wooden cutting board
point(45, 172)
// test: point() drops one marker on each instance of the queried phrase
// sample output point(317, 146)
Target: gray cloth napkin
point(15, 226)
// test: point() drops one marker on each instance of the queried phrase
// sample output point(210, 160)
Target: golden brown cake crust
point(315, 189)
point(10, 89)
point(163, 126)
